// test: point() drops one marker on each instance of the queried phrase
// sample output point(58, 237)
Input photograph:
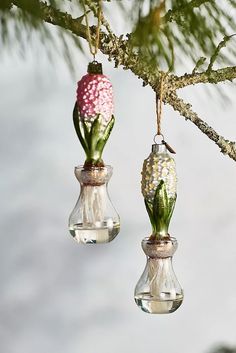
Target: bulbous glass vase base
point(94, 219)
point(158, 290)
point(92, 235)
point(152, 305)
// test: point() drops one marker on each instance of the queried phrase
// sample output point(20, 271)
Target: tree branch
point(213, 76)
point(226, 147)
point(209, 75)
point(119, 50)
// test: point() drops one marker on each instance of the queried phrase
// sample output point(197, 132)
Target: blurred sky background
point(57, 296)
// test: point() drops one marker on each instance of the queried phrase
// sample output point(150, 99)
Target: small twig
point(199, 63)
point(215, 76)
point(221, 45)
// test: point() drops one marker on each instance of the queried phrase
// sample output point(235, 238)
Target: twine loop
point(159, 102)
point(93, 45)
point(159, 137)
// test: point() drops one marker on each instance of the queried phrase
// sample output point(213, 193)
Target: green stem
point(93, 139)
point(160, 211)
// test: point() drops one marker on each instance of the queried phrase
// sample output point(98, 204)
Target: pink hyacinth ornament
point(94, 219)
point(93, 113)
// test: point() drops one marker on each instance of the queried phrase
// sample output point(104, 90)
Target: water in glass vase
point(153, 305)
point(93, 235)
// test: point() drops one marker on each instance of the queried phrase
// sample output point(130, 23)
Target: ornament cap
point(159, 148)
point(95, 68)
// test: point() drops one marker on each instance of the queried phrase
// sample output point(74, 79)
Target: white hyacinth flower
point(158, 166)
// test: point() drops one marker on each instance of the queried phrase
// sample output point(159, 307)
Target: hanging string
point(93, 49)
point(159, 105)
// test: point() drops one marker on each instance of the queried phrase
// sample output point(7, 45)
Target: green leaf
point(86, 131)
point(149, 208)
point(160, 203)
point(77, 126)
point(95, 133)
point(171, 206)
point(92, 139)
point(161, 210)
point(103, 140)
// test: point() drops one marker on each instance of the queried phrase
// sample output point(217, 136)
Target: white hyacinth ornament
point(159, 189)
point(158, 290)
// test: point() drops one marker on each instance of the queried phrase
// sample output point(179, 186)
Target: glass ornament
point(158, 290)
point(94, 219)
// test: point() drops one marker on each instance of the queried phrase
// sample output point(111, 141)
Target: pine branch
point(173, 15)
point(119, 50)
point(53, 16)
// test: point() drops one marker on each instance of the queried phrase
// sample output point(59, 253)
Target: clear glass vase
point(158, 290)
point(94, 219)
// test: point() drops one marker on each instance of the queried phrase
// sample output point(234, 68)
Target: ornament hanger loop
point(159, 139)
point(93, 48)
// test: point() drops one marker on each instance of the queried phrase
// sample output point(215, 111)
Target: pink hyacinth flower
point(95, 96)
